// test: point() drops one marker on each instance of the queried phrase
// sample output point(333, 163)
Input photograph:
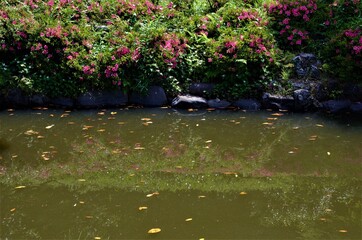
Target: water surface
point(201, 174)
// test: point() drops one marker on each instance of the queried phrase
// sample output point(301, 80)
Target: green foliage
point(68, 47)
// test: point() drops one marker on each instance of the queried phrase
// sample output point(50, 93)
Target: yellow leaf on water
point(243, 193)
point(101, 130)
point(113, 113)
point(154, 230)
point(89, 217)
point(20, 187)
point(319, 125)
point(81, 180)
point(31, 132)
point(50, 126)
point(152, 194)
point(142, 208)
point(328, 153)
point(342, 231)
point(201, 196)
point(12, 210)
point(40, 137)
point(188, 219)
point(328, 210)
point(146, 119)
point(267, 123)
point(277, 114)
point(97, 238)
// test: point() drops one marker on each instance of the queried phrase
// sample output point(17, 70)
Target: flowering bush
point(64, 47)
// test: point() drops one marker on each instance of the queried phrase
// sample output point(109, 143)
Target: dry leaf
point(201, 196)
point(152, 194)
point(81, 180)
point(97, 238)
point(319, 125)
point(342, 231)
point(328, 153)
point(146, 119)
point(277, 114)
point(142, 208)
point(31, 132)
point(20, 187)
point(268, 123)
point(243, 193)
point(50, 126)
point(154, 230)
point(113, 113)
point(139, 148)
point(89, 217)
point(12, 210)
point(188, 219)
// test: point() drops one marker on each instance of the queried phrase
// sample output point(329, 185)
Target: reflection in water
point(81, 175)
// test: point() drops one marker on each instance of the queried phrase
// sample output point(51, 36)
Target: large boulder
point(38, 100)
point(302, 100)
point(17, 98)
point(337, 106)
point(278, 102)
point(201, 89)
point(306, 65)
point(188, 101)
point(247, 104)
point(114, 98)
point(155, 97)
point(356, 107)
point(217, 103)
point(62, 102)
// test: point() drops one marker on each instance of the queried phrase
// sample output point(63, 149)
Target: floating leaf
point(81, 180)
point(268, 123)
point(154, 230)
point(142, 208)
point(101, 113)
point(277, 114)
point(89, 217)
point(328, 153)
point(243, 193)
point(146, 119)
point(295, 128)
point(97, 238)
point(31, 132)
point(40, 137)
point(319, 125)
point(188, 219)
point(201, 196)
point(342, 231)
point(12, 210)
point(101, 130)
point(113, 113)
point(152, 194)
point(20, 187)
point(50, 126)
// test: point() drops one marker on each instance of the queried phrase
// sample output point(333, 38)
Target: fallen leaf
point(152, 194)
point(328, 153)
point(142, 208)
point(89, 217)
point(12, 210)
point(31, 132)
point(50, 126)
point(342, 231)
point(20, 187)
point(146, 119)
point(277, 114)
point(154, 230)
point(40, 137)
point(101, 130)
point(201, 196)
point(295, 128)
point(243, 193)
point(113, 113)
point(81, 180)
point(97, 238)
point(319, 125)
point(188, 219)
point(139, 148)
point(268, 123)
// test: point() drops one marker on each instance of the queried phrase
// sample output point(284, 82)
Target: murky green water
point(212, 175)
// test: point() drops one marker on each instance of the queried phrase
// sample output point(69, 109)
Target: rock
point(277, 102)
point(217, 103)
point(155, 97)
point(353, 92)
point(114, 98)
point(16, 98)
point(90, 100)
point(356, 107)
point(62, 102)
point(336, 106)
point(201, 89)
point(38, 100)
point(302, 99)
point(306, 65)
point(247, 104)
point(188, 101)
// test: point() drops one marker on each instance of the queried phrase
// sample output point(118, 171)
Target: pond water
point(118, 173)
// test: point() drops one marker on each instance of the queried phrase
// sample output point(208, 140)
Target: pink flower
point(326, 23)
point(50, 3)
point(298, 42)
point(209, 60)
